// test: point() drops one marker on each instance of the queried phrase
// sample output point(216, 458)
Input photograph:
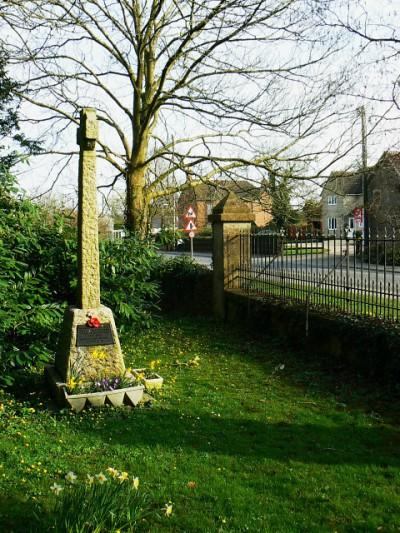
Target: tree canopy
point(186, 91)
point(13, 143)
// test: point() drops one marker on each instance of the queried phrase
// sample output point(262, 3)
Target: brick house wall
point(205, 196)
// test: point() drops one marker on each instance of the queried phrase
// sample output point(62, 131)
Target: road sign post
point(190, 226)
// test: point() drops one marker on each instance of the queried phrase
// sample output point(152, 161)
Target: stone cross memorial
point(89, 347)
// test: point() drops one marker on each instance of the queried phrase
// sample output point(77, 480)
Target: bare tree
point(375, 29)
point(196, 88)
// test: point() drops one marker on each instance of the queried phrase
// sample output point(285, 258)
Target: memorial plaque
point(86, 336)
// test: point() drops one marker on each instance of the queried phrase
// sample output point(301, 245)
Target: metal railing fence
point(340, 273)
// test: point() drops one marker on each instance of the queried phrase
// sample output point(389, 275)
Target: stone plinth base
point(83, 362)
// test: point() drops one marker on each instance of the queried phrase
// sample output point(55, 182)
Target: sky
point(375, 72)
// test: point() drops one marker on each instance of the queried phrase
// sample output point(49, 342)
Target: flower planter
point(116, 398)
point(97, 399)
point(133, 395)
point(153, 383)
point(77, 402)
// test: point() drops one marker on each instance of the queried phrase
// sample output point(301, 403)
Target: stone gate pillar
point(231, 224)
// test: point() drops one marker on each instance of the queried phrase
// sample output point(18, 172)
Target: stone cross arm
point(88, 130)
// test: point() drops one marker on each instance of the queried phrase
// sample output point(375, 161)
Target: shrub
point(169, 237)
point(186, 286)
point(34, 284)
point(179, 268)
point(128, 284)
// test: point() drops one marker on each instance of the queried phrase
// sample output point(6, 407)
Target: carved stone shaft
point(88, 243)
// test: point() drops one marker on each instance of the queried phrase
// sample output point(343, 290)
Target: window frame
point(332, 223)
point(332, 200)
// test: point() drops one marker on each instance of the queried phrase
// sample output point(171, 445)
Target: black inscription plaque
point(86, 336)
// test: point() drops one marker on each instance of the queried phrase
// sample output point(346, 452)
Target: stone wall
point(369, 347)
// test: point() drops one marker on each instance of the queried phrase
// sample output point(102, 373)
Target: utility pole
point(364, 156)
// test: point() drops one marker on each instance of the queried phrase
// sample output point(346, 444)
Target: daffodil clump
point(147, 373)
point(193, 362)
point(77, 385)
point(103, 502)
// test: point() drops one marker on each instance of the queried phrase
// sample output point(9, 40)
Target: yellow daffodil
point(72, 383)
point(167, 509)
point(89, 479)
point(101, 478)
point(56, 489)
point(112, 471)
point(71, 477)
point(135, 483)
point(123, 476)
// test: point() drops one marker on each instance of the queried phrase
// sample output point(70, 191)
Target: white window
point(332, 225)
point(331, 200)
point(351, 222)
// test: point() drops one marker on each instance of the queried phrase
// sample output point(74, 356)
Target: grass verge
point(248, 437)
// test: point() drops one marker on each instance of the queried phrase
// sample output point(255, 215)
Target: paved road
point(201, 258)
point(330, 266)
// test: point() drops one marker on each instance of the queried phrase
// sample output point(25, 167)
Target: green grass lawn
point(272, 442)
point(353, 302)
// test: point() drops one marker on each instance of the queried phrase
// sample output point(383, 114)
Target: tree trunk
point(137, 208)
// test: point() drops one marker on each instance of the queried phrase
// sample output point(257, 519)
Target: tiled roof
point(210, 192)
point(344, 183)
point(389, 158)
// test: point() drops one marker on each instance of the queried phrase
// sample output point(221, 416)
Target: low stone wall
point(370, 347)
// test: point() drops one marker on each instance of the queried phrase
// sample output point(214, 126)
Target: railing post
point(231, 225)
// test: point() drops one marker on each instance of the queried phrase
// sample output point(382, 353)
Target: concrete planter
point(153, 383)
point(116, 398)
point(77, 402)
point(97, 399)
point(133, 395)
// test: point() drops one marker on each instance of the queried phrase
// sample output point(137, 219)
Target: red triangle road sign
point(190, 226)
point(190, 213)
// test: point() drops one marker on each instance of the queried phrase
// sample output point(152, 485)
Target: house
point(205, 196)
point(343, 199)
point(342, 202)
point(383, 186)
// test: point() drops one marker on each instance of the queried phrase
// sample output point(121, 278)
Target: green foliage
point(168, 237)
point(205, 231)
point(311, 210)
point(180, 268)
point(280, 190)
point(9, 128)
point(33, 283)
point(100, 505)
point(127, 282)
point(387, 253)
